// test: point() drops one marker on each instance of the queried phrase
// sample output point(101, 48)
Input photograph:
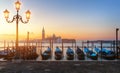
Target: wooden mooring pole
point(4, 46)
point(62, 49)
point(8, 48)
point(82, 45)
point(75, 51)
point(101, 43)
point(87, 44)
point(117, 29)
point(41, 47)
point(52, 48)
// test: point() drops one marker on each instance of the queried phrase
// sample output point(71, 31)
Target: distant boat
point(58, 53)
point(46, 54)
point(106, 54)
point(70, 54)
point(90, 54)
point(80, 54)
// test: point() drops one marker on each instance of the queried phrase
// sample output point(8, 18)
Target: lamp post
point(17, 18)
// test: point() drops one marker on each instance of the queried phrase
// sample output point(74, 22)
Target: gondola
point(80, 54)
point(30, 55)
point(90, 54)
point(3, 54)
point(46, 54)
point(106, 54)
point(70, 54)
point(58, 53)
point(7, 55)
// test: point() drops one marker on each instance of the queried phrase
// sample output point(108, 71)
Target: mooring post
point(92, 45)
point(27, 39)
point(41, 46)
point(88, 44)
point(114, 45)
point(7, 48)
point(52, 48)
point(36, 44)
point(75, 50)
point(4, 45)
point(72, 44)
point(36, 47)
point(41, 49)
point(62, 49)
point(117, 29)
point(111, 45)
point(101, 48)
point(82, 45)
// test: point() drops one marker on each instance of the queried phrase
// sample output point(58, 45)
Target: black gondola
point(58, 54)
point(106, 54)
point(90, 54)
point(7, 55)
point(70, 54)
point(46, 54)
point(3, 54)
point(80, 54)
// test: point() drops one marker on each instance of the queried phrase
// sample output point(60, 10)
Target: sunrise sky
point(78, 19)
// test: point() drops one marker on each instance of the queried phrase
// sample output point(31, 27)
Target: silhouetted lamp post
point(17, 18)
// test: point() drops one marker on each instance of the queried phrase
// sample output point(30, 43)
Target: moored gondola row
point(71, 54)
point(58, 53)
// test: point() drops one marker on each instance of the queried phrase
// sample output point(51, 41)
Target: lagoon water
point(73, 47)
point(45, 45)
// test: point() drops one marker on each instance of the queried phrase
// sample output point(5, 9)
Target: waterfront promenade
point(60, 67)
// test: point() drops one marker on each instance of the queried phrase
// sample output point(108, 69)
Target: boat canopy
point(93, 54)
point(48, 49)
point(107, 51)
point(57, 49)
point(69, 50)
point(97, 50)
point(86, 50)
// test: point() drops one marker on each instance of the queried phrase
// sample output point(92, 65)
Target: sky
point(77, 19)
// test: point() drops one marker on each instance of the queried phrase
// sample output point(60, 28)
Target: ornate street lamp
point(17, 18)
